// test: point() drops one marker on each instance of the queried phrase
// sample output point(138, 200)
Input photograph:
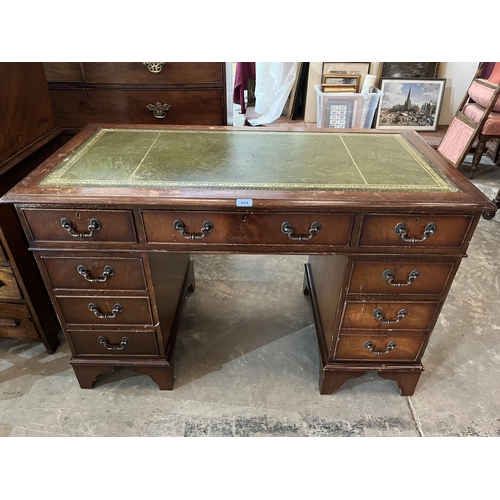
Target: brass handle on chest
point(389, 277)
point(207, 227)
point(379, 316)
point(113, 347)
point(93, 227)
point(314, 229)
point(107, 273)
point(154, 67)
point(159, 110)
point(390, 346)
point(117, 309)
point(400, 229)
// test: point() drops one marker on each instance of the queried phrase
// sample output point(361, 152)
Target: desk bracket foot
point(329, 381)
point(87, 375)
point(407, 381)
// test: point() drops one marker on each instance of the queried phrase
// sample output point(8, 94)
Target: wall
point(458, 77)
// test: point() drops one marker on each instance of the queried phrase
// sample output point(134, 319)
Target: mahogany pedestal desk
point(113, 216)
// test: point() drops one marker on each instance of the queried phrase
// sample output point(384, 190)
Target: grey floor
point(247, 364)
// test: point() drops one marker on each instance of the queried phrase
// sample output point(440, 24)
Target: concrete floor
point(247, 364)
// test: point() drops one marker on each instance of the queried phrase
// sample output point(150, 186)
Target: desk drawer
point(81, 226)
point(448, 231)
point(114, 343)
point(380, 316)
point(108, 310)
point(247, 228)
point(400, 278)
point(9, 288)
point(81, 273)
point(380, 348)
point(15, 322)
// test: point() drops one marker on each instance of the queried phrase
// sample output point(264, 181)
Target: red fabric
point(244, 71)
point(495, 74)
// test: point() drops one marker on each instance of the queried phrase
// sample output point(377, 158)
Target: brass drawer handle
point(107, 273)
point(315, 228)
point(379, 316)
point(390, 346)
point(400, 229)
point(389, 277)
point(93, 227)
point(207, 227)
point(117, 309)
point(154, 67)
point(10, 322)
point(159, 110)
point(113, 347)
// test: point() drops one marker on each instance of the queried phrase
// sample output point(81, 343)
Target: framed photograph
point(409, 70)
point(410, 103)
point(342, 112)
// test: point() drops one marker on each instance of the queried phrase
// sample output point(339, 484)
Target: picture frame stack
point(340, 83)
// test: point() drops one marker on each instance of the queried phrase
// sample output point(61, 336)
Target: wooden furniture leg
point(329, 381)
point(478, 153)
point(87, 375)
point(164, 377)
point(407, 381)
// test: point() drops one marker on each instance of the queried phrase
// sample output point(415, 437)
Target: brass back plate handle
point(154, 67)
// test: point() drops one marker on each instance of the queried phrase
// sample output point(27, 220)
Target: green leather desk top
point(264, 160)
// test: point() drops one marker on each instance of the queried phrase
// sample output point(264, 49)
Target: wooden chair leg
point(481, 145)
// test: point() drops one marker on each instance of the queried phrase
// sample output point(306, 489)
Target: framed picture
point(342, 112)
point(410, 103)
point(409, 70)
point(347, 68)
point(341, 80)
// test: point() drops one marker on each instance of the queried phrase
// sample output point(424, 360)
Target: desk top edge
point(28, 191)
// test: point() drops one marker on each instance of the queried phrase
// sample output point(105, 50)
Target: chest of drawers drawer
point(400, 278)
point(387, 315)
point(240, 228)
point(95, 273)
point(422, 231)
point(75, 226)
point(169, 73)
point(394, 346)
point(98, 310)
point(15, 321)
point(78, 107)
point(9, 289)
point(114, 343)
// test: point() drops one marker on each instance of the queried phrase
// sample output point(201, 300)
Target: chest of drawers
point(114, 251)
point(180, 93)
point(28, 135)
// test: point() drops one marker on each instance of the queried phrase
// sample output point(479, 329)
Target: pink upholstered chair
point(477, 118)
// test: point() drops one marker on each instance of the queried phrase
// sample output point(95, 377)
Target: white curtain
point(273, 83)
